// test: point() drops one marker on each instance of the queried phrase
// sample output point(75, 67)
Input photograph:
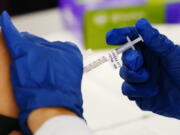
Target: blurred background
point(16, 7)
point(85, 22)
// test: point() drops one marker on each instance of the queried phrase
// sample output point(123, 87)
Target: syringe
point(112, 56)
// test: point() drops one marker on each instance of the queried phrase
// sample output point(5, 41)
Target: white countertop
point(107, 111)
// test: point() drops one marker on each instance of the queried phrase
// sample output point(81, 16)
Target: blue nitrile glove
point(44, 74)
point(152, 72)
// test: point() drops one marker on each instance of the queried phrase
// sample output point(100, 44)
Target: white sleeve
point(64, 125)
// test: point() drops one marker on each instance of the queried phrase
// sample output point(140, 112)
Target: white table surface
point(107, 111)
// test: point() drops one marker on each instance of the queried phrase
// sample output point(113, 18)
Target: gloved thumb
point(153, 39)
point(13, 38)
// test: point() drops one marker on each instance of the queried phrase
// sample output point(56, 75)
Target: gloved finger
point(133, 59)
point(41, 41)
point(134, 77)
point(15, 42)
point(67, 47)
point(132, 98)
point(139, 90)
point(35, 39)
point(153, 39)
point(119, 36)
point(75, 48)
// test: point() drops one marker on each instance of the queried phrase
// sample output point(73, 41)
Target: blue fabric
point(152, 71)
point(44, 74)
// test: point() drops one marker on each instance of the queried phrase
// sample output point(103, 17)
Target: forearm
point(52, 121)
point(64, 125)
point(8, 106)
point(35, 68)
point(38, 117)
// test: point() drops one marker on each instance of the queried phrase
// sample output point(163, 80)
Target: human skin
point(38, 117)
point(7, 99)
point(8, 106)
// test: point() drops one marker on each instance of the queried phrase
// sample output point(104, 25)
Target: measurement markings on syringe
point(95, 64)
point(113, 57)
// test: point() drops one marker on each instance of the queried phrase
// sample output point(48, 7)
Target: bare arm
point(38, 117)
point(8, 105)
point(7, 100)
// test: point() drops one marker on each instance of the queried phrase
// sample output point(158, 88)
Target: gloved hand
point(44, 74)
point(152, 72)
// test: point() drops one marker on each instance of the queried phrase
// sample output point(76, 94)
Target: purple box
point(173, 12)
point(76, 10)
